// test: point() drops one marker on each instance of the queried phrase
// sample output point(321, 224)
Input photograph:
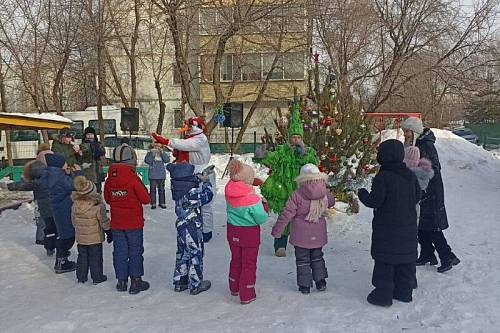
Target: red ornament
point(316, 58)
point(322, 168)
point(365, 141)
point(333, 158)
point(327, 121)
point(366, 168)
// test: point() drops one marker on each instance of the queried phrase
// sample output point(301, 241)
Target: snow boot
point(374, 301)
point(137, 285)
point(63, 265)
point(121, 285)
point(207, 236)
point(422, 260)
point(153, 206)
point(163, 206)
point(448, 264)
point(281, 252)
point(204, 286)
point(100, 280)
point(305, 290)
point(321, 285)
point(403, 299)
point(248, 302)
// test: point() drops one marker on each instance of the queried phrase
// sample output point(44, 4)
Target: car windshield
point(463, 131)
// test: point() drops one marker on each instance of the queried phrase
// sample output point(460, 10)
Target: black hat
point(55, 160)
point(65, 132)
point(89, 130)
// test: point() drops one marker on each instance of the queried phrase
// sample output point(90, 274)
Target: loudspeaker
point(234, 115)
point(129, 119)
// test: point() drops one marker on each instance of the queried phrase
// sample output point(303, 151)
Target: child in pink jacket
point(306, 210)
point(245, 214)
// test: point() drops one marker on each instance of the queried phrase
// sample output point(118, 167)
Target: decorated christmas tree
point(341, 138)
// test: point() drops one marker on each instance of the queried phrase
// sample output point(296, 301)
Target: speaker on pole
point(129, 119)
point(234, 115)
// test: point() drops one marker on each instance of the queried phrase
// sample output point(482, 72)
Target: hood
point(85, 202)
point(120, 172)
point(180, 170)
point(182, 179)
point(36, 169)
point(313, 189)
point(238, 193)
point(427, 135)
point(390, 151)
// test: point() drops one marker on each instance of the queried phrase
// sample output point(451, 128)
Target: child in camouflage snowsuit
point(189, 199)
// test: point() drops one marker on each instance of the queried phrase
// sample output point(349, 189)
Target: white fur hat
point(310, 171)
point(413, 124)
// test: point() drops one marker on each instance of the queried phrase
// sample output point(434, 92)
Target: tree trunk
point(100, 71)
point(56, 98)
point(161, 116)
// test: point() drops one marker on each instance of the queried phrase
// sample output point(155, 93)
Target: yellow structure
point(18, 121)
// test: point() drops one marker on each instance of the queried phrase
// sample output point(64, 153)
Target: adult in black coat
point(433, 219)
point(394, 196)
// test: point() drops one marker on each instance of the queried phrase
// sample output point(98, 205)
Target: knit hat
point(124, 154)
point(89, 130)
point(412, 156)
point(296, 127)
point(43, 146)
point(239, 171)
point(413, 124)
point(308, 172)
point(55, 160)
point(83, 185)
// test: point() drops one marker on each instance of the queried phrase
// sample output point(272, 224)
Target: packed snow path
point(465, 299)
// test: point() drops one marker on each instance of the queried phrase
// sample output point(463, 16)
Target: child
point(156, 159)
point(89, 219)
point(305, 210)
point(245, 213)
point(59, 184)
point(189, 198)
point(394, 196)
point(125, 193)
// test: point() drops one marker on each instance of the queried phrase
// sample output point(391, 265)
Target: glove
point(109, 236)
point(86, 165)
point(208, 170)
point(257, 182)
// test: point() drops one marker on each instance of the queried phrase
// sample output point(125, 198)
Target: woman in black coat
point(394, 196)
point(433, 219)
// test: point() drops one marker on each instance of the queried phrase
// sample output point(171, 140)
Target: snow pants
point(244, 245)
point(128, 252)
point(89, 256)
point(50, 233)
point(431, 241)
point(310, 266)
point(157, 185)
point(189, 255)
point(393, 281)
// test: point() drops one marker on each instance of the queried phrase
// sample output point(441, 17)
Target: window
point(176, 74)
point(76, 128)
point(207, 65)
point(293, 64)
point(24, 135)
point(178, 118)
point(267, 61)
point(109, 125)
point(295, 19)
point(226, 67)
point(251, 67)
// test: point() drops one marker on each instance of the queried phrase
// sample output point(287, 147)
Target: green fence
point(489, 134)
point(15, 173)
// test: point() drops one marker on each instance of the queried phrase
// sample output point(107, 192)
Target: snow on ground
point(465, 299)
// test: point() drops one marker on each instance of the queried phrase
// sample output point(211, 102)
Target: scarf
point(317, 210)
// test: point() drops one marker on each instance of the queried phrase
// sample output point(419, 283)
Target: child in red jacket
point(125, 193)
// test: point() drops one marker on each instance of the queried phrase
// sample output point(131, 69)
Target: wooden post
point(8, 145)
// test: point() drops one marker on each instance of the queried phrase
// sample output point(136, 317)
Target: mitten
point(257, 182)
point(109, 236)
point(86, 165)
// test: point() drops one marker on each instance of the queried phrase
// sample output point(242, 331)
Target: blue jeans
point(127, 253)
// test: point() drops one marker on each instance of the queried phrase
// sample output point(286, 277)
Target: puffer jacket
point(89, 218)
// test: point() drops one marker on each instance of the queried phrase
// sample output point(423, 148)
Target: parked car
point(467, 134)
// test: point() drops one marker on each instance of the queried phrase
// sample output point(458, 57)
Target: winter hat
point(412, 156)
point(83, 185)
point(196, 125)
point(66, 133)
point(43, 146)
point(296, 127)
point(413, 124)
point(89, 130)
point(124, 154)
point(390, 151)
point(55, 160)
point(239, 171)
point(309, 172)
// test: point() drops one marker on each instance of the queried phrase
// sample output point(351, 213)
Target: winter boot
point(163, 206)
point(63, 265)
point(207, 236)
point(422, 260)
point(372, 299)
point(248, 302)
point(321, 285)
point(305, 290)
point(204, 286)
point(100, 280)
point(448, 264)
point(121, 285)
point(281, 252)
point(178, 287)
point(153, 206)
point(407, 299)
point(137, 285)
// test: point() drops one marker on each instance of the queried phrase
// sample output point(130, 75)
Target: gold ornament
point(338, 131)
